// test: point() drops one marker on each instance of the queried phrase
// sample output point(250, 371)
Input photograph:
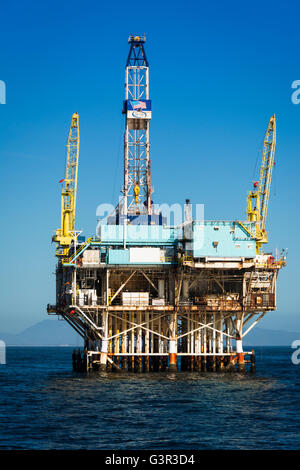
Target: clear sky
point(218, 71)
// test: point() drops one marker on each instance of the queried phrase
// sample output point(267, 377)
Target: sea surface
point(44, 405)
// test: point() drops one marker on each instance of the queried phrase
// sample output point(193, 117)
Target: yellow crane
point(65, 234)
point(258, 198)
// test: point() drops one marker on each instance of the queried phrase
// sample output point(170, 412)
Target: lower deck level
point(85, 361)
point(150, 318)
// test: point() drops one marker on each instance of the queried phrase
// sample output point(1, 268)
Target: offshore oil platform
point(149, 296)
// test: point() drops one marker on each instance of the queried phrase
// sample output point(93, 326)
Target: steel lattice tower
point(137, 107)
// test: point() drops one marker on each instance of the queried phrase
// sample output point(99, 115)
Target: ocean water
point(44, 405)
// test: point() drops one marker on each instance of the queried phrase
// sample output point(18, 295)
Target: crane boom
point(64, 235)
point(261, 194)
point(266, 168)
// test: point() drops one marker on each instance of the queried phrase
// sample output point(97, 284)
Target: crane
point(65, 234)
point(258, 198)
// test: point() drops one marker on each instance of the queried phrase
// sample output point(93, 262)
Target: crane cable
point(258, 157)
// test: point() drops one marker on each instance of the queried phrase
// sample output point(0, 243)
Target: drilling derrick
point(137, 108)
point(147, 296)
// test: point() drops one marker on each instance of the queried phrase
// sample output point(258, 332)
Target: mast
point(137, 110)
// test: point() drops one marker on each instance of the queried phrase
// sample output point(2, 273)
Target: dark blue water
point(43, 405)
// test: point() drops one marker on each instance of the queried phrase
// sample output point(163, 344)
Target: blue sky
point(218, 71)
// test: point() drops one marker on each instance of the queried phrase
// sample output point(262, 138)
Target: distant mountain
point(45, 333)
point(59, 333)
